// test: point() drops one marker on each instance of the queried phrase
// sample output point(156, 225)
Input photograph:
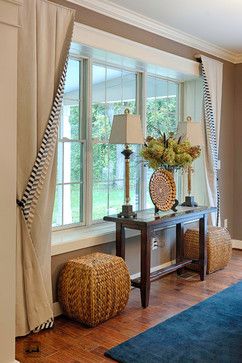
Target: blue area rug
point(210, 331)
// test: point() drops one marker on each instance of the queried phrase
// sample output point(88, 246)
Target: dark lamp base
point(127, 212)
point(189, 202)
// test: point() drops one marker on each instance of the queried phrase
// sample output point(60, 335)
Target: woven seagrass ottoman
point(219, 247)
point(94, 288)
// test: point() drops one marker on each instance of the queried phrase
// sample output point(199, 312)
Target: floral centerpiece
point(164, 155)
point(169, 153)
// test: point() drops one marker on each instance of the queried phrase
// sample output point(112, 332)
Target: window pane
point(100, 127)
point(59, 163)
point(57, 213)
point(114, 86)
point(69, 195)
point(72, 203)
point(73, 162)
point(100, 200)
point(100, 163)
point(161, 114)
point(116, 163)
point(162, 106)
point(129, 89)
point(98, 84)
point(173, 90)
point(72, 85)
point(116, 195)
point(134, 194)
point(113, 91)
point(70, 120)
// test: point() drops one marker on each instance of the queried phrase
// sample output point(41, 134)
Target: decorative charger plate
point(162, 189)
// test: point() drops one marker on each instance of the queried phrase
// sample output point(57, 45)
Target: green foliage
point(169, 152)
point(76, 152)
point(74, 122)
point(161, 115)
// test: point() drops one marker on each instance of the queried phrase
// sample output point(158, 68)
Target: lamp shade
point(126, 129)
point(191, 131)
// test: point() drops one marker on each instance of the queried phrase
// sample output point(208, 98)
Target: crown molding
point(14, 2)
point(130, 17)
point(238, 59)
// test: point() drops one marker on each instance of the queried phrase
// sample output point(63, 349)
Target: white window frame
point(138, 75)
point(81, 141)
point(86, 83)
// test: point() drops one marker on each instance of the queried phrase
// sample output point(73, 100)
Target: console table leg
point(120, 240)
point(203, 246)
point(145, 267)
point(179, 245)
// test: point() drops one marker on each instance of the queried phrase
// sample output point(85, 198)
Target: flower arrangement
point(168, 152)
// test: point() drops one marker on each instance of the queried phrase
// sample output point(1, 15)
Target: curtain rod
point(198, 57)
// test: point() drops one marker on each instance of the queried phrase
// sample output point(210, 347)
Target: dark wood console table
point(147, 222)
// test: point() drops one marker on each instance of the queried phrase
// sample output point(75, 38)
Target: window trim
point(82, 141)
point(178, 67)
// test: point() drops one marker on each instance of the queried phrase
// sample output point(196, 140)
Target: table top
point(148, 216)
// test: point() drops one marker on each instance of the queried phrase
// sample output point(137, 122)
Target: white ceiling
point(213, 26)
point(216, 21)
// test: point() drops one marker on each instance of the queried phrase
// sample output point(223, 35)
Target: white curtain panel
point(212, 73)
point(43, 48)
point(193, 107)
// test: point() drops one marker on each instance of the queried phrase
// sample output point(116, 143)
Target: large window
point(90, 171)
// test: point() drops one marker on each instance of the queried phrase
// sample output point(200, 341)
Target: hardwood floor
point(70, 342)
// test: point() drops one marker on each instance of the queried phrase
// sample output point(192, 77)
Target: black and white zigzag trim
point(47, 325)
point(39, 170)
point(211, 133)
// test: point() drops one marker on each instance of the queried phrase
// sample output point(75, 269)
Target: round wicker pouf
point(219, 247)
point(94, 288)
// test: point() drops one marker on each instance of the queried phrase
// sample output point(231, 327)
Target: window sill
point(84, 237)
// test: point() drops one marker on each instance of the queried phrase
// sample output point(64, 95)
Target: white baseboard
point(16, 361)
point(236, 243)
point(57, 308)
point(153, 269)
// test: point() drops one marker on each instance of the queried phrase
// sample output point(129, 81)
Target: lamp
point(193, 132)
point(126, 129)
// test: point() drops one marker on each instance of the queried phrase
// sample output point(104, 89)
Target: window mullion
point(180, 109)
point(142, 95)
point(89, 147)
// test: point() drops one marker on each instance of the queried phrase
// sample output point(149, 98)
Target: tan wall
point(161, 255)
point(105, 23)
point(8, 97)
point(237, 141)
point(227, 146)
